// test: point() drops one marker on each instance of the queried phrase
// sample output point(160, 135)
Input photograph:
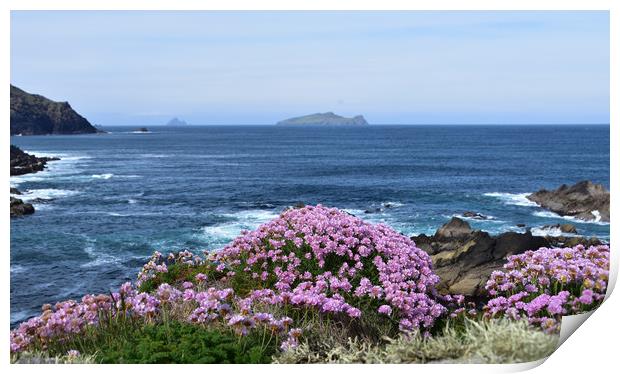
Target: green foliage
point(179, 273)
point(173, 342)
point(184, 343)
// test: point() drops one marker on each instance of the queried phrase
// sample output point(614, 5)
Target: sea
point(113, 199)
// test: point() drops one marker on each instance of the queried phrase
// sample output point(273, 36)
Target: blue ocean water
point(114, 199)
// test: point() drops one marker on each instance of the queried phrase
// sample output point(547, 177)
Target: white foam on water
point(132, 201)
point(98, 258)
point(472, 219)
point(102, 176)
point(15, 269)
point(549, 231)
point(596, 221)
point(519, 199)
point(45, 194)
point(66, 167)
point(355, 212)
point(244, 220)
point(393, 204)
point(153, 155)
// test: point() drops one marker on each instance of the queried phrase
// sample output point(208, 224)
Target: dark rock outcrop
point(566, 228)
point(20, 208)
point(324, 119)
point(464, 258)
point(474, 215)
point(141, 129)
point(582, 200)
point(24, 163)
point(37, 115)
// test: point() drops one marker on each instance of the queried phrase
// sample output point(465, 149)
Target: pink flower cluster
point(159, 264)
point(329, 260)
point(545, 284)
point(222, 306)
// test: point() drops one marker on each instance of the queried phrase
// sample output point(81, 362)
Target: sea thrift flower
point(405, 280)
point(545, 284)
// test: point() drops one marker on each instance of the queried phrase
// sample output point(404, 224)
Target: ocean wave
point(519, 199)
point(15, 269)
point(45, 194)
point(222, 233)
point(548, 214)
point(98, 258)
point(102, 176)
point(66, 167)
point(473, 219)
point(392, 204)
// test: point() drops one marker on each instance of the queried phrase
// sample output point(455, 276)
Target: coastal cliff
point(37, 115)
point(324, 119)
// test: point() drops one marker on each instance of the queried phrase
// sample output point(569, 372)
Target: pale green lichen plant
point(42, 358)
point(495, 341)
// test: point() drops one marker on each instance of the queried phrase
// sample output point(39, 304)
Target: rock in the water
point(24, 163)
point(15, 191)
point(566, 228)
point(19, 208)
point(474, 215)
point(141, 129)
point(455, 228)
point(584, 200)
point(324, 119)
point(37, 115)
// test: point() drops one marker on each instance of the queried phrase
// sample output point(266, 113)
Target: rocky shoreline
point(24, 163)
point(464, 258)
point(584, 200)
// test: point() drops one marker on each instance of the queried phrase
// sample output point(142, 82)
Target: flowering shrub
point(545, 284)
point(332, 262)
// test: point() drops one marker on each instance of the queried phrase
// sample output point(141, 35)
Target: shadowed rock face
point(37, 115)
point(24, 163)
point(464, 259)
point(324, 119)
point(584, 200)
point(19, 208)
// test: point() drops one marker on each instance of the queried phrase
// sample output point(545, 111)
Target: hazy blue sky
point(128, 68)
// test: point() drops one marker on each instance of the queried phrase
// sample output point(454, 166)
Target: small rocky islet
point(324, 119)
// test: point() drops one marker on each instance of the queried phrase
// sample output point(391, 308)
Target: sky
point(414, 67)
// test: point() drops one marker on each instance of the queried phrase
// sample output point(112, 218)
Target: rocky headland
point(464, 258)
point(584, 200)
point(24, 163)
point(37, 115)
point(324, 119)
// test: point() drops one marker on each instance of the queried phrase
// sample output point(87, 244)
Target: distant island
point(324, 119)
point(37, 115)
point(176, 122)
